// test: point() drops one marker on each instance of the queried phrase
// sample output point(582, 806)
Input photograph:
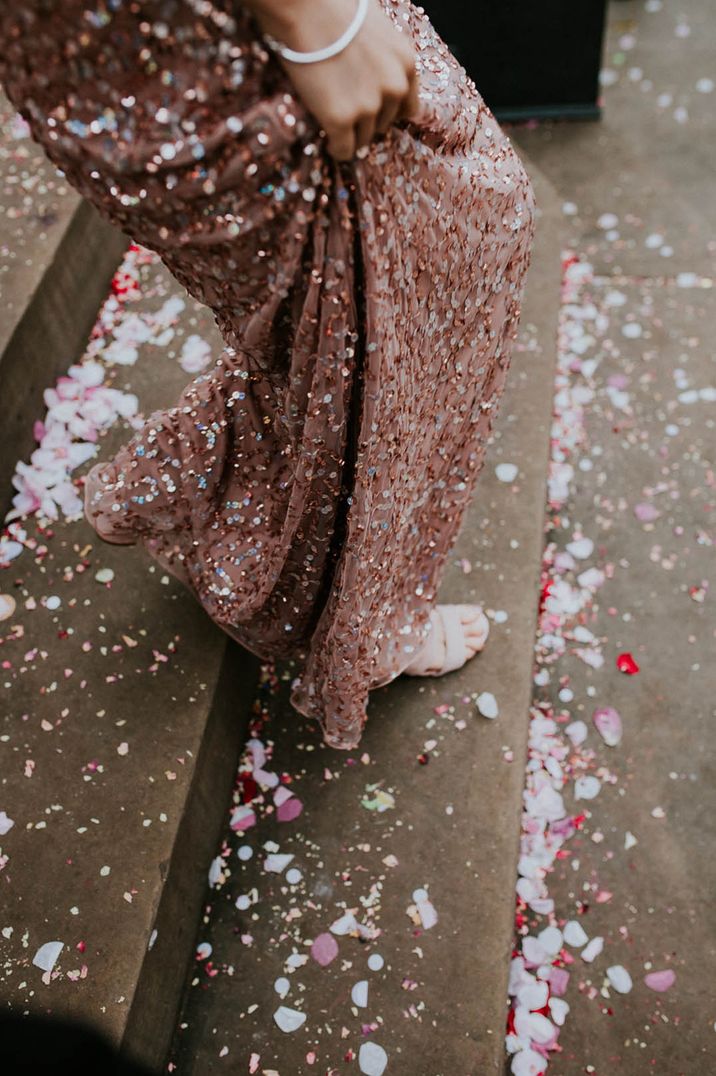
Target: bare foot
point(459, 632)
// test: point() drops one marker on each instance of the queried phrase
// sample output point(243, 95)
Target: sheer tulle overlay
point(309, 486)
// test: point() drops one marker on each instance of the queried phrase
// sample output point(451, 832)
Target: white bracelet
point(330, 50)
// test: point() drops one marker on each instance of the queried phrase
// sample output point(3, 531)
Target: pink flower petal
point(324, 949)
point(242, 817)
point(289, 809)
point(660, 980)
point(646, 513)
point(608, 724)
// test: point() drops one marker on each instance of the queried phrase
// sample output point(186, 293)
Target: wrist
point(303, 24)
point(278, 16)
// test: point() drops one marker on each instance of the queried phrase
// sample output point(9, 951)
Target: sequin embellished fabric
point(309, 486)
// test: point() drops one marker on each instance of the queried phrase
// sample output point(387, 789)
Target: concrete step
point(121, 702)
point(430, 802)
point(125, 709)
point(57, 258)
point(639, 873)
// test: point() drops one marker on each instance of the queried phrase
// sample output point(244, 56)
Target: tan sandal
point(450, 645)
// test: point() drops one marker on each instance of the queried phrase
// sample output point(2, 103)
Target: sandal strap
point(431, 656)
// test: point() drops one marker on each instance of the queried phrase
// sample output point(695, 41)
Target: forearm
point(278, 16)
point(303, 24)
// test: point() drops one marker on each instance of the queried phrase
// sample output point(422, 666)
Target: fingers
point(364, 131)
point(411, 101)
point(341, 142)
point(399, 100)
point(389, 112)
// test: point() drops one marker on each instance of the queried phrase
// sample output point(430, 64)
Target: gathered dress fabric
point(309, 486)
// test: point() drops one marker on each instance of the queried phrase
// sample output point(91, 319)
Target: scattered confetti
point(660, 981)
point(47, 955)
point(586, 788)
point(359, 993)
point(372, 1059)
point(324, 949)
point(7, 606)
point(592, 949)
point(487, 705)
point(608, 724)
point(289, 1020)
point(506, 472)
point(380, 801)
point(627, 664)
point(619, 978)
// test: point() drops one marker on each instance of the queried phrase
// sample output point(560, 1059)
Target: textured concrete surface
point(57, 257)
point(122, 711)
point(639, 872)
point(430, 801)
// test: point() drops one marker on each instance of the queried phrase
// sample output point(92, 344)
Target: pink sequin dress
point(308, 487)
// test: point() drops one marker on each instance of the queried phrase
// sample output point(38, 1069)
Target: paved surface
point(634, 865)
point(423, 820)
point(111, 750)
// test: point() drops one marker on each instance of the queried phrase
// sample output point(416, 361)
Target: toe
point(470, 613)
point(476, 632)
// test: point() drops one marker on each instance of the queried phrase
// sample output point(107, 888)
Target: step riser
point(157, 998)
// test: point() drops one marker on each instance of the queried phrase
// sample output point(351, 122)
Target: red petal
point(627, 664)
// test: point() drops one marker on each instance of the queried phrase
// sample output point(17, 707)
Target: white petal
point(620, 978)
point(506, 472)
point(577, 732)
point(46, 956)
point(528, 1063)
point(575, 935)
point(487, 705)
point(276, 863)
point(289, 1019)
point(533, 951)
point(581, 548)
point(345, 925)
point(533, 995)
point(586, 788)
point(591, 951)
point(559, 1008)
point(372, 1059)
point(533, 1026)
point(551, 940)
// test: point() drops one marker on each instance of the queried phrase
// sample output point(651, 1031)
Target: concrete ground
point(392, 922)
point(125, 711)
point(374, 903)
point(626, 856)
point(115, 720)
point(637, 356)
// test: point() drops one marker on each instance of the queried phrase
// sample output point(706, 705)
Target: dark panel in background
point(528, 58)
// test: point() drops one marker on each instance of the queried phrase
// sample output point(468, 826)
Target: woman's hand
point(358, 93)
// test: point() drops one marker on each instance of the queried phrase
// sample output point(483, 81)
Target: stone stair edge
point(157, 993)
